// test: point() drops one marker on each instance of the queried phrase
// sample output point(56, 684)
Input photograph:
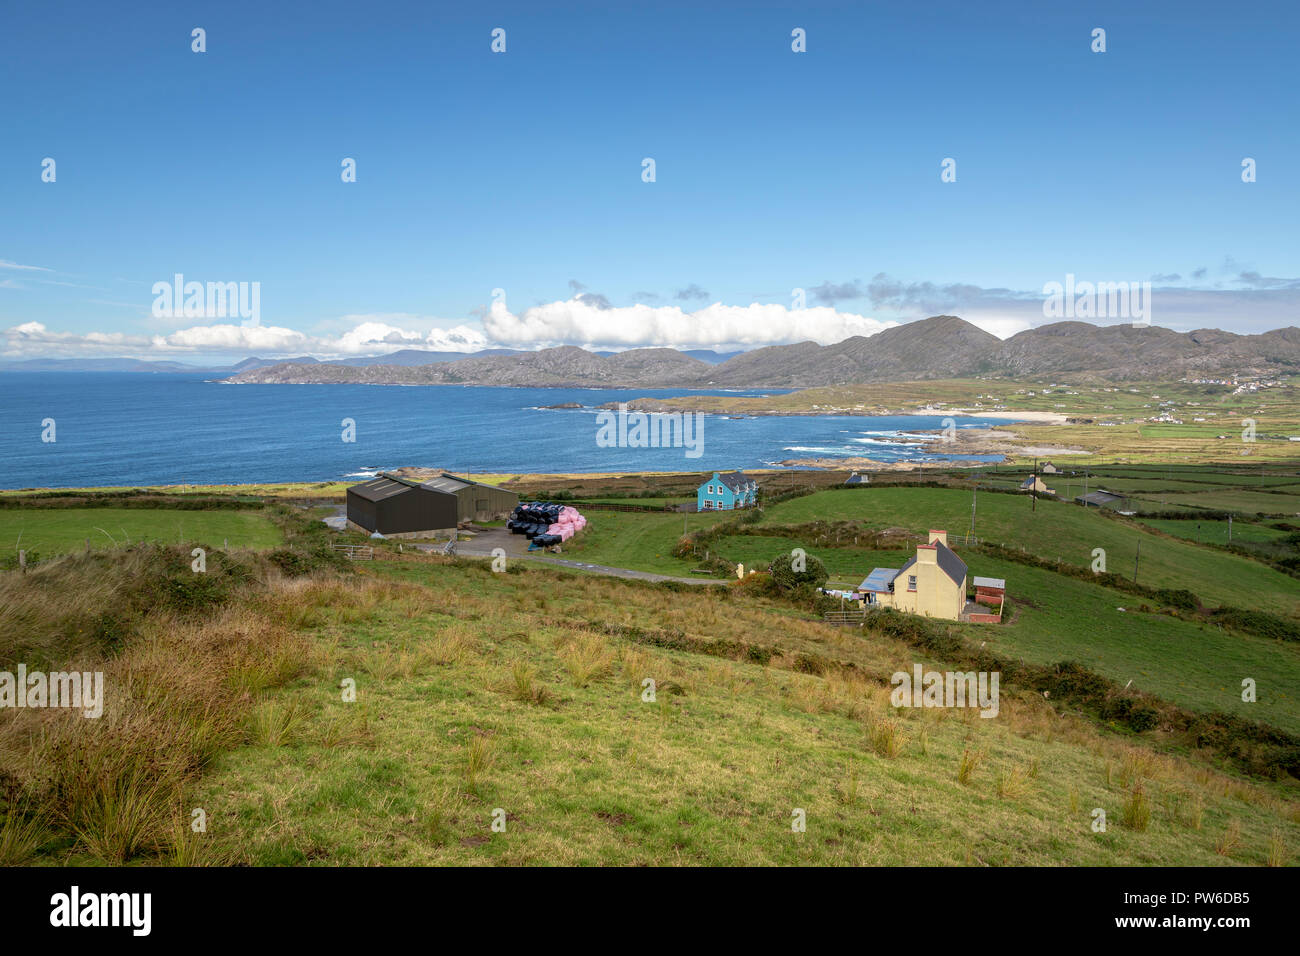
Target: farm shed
point(403, 507)
point(1101, 499)
point(475, 501)
point(990, 591)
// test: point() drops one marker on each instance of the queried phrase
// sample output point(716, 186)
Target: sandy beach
point(1040, 418)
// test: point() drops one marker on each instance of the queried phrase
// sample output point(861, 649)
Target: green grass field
point(1056, 530)
point(643, 541)
point(642, 502)
point(50, 531)
point(1240, 500)
point(1216, 532)
point(1056, 618)
point(1199, 666)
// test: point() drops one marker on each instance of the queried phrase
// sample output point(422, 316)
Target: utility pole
point(972, 509)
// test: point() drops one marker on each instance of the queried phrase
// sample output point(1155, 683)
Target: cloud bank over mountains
point(1239, 300)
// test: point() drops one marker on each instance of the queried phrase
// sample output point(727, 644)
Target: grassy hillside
point(522, 693)
point(479, 693)
point(1057, 530)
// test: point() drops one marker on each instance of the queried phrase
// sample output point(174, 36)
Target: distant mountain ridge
point(943, 346)
point(402, 357)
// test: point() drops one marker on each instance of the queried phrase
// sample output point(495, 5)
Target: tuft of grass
point(120, 818)
point(1277, 855)
point(1136, 812)
point(276, 724)
point(479, 754)
point(350, 730)
point(886, 741)
point(851, 785)
point(1229, 840)
point(525, 689)
point(435, 822)
point(970, 761)
point(21, 834)
point(586, 659)
point(1012, 784)
point(185, 847)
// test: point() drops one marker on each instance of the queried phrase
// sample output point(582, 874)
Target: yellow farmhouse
point(933, 583)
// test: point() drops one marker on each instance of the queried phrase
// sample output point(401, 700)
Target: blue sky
point(522, 171)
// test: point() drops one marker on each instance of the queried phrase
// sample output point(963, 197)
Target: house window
point(911, 582)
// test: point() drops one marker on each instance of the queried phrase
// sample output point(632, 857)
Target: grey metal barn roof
point(999, 584)
point(445, 483)
point(470, 482)
point(377, 489)
point(1099, 498)
point(386, 485)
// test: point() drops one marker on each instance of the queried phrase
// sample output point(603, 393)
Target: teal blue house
point(725, 492)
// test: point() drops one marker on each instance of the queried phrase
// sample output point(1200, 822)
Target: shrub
point(812, 575)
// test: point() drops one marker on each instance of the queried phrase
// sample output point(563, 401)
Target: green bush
point(809, 577)
point(1259, 623)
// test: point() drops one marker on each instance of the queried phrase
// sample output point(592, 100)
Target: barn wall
point(483, 503)
point(416, 510)
point(361, 512)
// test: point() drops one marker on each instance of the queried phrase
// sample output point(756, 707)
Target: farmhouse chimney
point(927, 554)
point(940, 536)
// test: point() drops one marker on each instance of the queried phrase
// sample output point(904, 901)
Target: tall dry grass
point(182, 682)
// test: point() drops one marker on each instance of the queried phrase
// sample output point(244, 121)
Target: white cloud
point(1002, 326)
point(231, 338)
point(33, 339)
point(580, 322)
point(372, 333)
point(6, 264)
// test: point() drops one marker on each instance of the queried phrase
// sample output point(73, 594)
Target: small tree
point(804, 573)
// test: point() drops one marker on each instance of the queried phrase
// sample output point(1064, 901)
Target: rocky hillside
point(944, 346)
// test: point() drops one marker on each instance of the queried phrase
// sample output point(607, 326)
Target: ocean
point(143, 429)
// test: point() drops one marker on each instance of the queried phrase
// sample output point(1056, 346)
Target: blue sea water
point(145, 429)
